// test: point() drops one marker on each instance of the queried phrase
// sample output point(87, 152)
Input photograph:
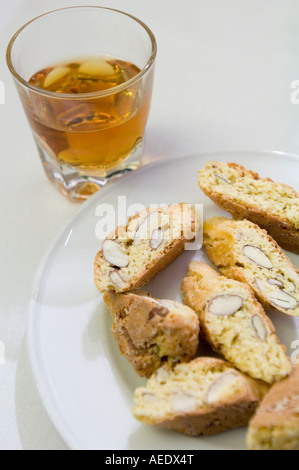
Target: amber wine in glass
point(87, 130)
point(87, 110)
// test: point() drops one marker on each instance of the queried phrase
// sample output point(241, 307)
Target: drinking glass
point(85, 139)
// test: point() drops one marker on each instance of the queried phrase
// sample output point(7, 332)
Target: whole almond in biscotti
point(151, 332)
point(275, 425)
point(133, 254)
point(234, 323)
point(245, 252)
point(242, 193)
point(202, 397)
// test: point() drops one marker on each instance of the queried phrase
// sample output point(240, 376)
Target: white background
point(223, 82)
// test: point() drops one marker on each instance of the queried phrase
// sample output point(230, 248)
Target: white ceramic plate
point(85, 384)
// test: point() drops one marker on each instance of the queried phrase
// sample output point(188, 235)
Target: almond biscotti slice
point(235, 324)
point(133, 254)
point(243, 251)
point(273, 206)
point(203, 397)
point(275, 426)
point(150, 332)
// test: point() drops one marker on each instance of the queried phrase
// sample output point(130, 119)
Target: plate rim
point(49, 407)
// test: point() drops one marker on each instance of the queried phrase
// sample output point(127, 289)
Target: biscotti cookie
point(234, 323)
point(275, 425)
point(150, 332)
point(203, 397)
point(273, 206)
point(133, 254)
point(243, 251)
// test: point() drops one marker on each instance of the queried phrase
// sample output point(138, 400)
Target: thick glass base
point(78, 185)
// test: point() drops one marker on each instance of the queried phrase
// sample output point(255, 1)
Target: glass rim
point(78, 96)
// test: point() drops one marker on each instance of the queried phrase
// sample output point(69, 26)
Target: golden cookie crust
point(179, 224)
point(150, 332)
point(275, 426)
point(271, 277)
point(242, 193)
point(203, 397)
point(235, 324)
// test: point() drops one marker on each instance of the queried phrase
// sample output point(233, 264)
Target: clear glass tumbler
point(85, 138)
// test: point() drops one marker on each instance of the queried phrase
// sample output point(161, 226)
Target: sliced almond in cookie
point(283, 300)
point(222, 179)
point(183, 402)
point(275, 282)
point(259, 327)
point(226, 304)
point(157, 238)
point(219, 388)
point(291, 287)
point(115, 253)
point(258, 284)
point(148, 225)
point(256, 254)
point(162, 375)
point(151, 397)
point(116, 278)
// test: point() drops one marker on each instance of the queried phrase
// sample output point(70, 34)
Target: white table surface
point(223, 81)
